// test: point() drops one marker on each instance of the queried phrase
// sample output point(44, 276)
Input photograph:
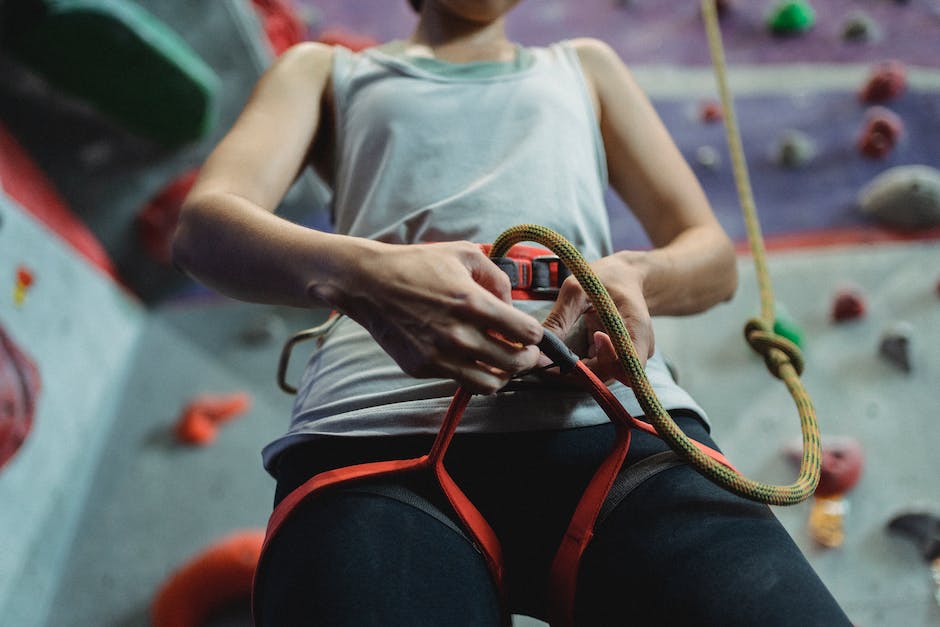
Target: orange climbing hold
point(24, 280)
point(200, 420)
point(211, 580)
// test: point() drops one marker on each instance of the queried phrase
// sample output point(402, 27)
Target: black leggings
point(677, 550)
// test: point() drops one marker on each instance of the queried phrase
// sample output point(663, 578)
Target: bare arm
point(692, 265)
point(439, 310)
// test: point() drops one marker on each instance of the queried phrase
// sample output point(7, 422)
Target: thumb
point(490, 277)
point(566, 311)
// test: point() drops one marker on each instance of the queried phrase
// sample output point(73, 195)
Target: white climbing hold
point(906, 196)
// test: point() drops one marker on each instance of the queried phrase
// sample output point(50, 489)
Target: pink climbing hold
point(19, 388)
point(882, 130)
point(887, 81)
point(848, 304)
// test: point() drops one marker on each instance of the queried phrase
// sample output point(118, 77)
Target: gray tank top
point(425, 155)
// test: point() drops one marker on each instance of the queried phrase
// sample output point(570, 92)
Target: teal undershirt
point(473, 69)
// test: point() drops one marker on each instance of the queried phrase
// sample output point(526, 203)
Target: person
point(432, 145)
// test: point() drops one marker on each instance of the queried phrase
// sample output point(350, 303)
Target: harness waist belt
point(535, 273)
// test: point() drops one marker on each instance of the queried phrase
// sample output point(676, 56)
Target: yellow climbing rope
point(782, 357)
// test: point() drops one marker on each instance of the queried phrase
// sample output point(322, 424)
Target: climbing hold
point(211, 580)
point(282, 25)
point(120, 59)
point(24, 281)
point(791, 18)
point(23, 180)
point(157, 221)
point(840, 466)
point(200, 419)
point(708, 157)
point(787, 326)
point(880, 133)
point(826, 522)
point(895, 345)
point(887, 81)
point(860, 27)
point(794, 149)
point(348, 39)
point(19, 387)
point(263, 331)
point(923, 529)
point(840, 469)
point(710, 112)
point(848, 304)
point(906, 197)
point(723, 7)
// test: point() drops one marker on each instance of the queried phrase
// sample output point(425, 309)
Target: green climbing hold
point(787, 326)
point(117, 57)
point(790, 18)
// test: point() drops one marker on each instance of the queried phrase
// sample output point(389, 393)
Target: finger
point(474, 376)
point(488, 275)
point(572, 302)
point(489, 348)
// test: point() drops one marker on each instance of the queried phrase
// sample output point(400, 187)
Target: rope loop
point(773, 347)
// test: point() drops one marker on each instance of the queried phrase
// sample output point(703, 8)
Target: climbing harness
point(781, 356)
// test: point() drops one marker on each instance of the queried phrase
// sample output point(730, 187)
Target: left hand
point(624, 283)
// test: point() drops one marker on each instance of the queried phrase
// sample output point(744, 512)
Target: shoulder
point(596, 56)
point(307, 59)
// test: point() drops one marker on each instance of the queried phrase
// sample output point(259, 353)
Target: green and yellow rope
point(782, 357)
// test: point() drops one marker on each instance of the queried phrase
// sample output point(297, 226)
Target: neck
point(459, 40)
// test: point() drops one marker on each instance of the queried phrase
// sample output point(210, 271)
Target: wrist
point(341, 265)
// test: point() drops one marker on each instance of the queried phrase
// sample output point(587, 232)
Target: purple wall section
point(653, 31)
point(819, 196)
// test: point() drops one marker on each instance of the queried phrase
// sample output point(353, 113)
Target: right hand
point(440, 310)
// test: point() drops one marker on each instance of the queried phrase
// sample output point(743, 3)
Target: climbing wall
point(108, 499)
point(79, 329)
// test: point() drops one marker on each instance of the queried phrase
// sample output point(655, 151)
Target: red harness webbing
point(564, 571)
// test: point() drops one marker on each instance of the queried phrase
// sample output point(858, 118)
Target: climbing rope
point(782, 357)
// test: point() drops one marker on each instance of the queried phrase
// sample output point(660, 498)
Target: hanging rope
point(782, 357)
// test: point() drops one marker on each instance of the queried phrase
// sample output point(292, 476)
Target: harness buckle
point(542, 275)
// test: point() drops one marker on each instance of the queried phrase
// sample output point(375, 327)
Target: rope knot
point(773, 347)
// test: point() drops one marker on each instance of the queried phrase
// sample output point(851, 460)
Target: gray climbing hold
point(708, 157)
point(262, 331)
point(895, 345)
point(906, 197)
point(794, 149)
point(860, 27)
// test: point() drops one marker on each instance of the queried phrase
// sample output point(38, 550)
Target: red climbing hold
point(881, 132)
point(711, 112)
point(840, 467)
point(341, 37)
point(849, 304)
point(23, 180)
point(199, 421)
point(282, 26)
point(157, 221)
point(19, 387)
point(211, 580)
point(886, 82)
